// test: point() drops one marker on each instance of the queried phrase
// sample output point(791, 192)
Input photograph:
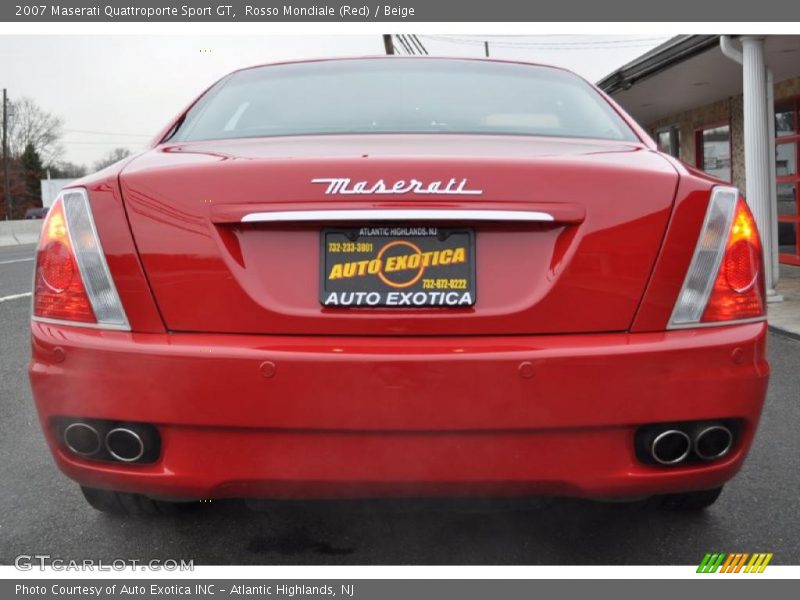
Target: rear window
point(402, 96)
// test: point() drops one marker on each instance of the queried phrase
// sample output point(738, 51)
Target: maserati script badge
point(346, 187)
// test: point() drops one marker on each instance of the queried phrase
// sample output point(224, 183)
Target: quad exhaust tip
point(124, 444)
point(106, 440)
point(82, 439)
point(673, 444)
point(670, 447)
point(713, 442)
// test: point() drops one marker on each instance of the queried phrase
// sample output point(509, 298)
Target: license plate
point(397, 266)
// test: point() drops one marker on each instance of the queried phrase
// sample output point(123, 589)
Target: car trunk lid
point(218, 260)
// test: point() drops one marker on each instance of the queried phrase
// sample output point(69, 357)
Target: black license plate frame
point(397, 266)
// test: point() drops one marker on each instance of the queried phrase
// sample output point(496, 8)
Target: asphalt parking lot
point(42, 512)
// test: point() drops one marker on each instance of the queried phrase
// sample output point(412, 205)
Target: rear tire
point(123, 503)
point(688, 500)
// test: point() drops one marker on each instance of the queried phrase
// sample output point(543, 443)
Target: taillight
point(72, 282)
point(725, 281)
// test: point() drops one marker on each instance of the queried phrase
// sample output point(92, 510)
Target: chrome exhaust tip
point(82, 439)
point(124, 444)
point(670, 447)
point(713, 442)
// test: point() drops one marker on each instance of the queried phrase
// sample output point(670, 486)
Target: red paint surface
point(584, 273)
point(259, 391)
point(435, 410)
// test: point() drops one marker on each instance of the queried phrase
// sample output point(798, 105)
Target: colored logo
point(737, 562)
point(408, 261)
point(399, 264)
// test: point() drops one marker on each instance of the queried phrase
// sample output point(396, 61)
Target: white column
point(773, 186)
point(757, 147)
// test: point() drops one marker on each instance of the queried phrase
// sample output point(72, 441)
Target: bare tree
point(29, 124)
point(115, 155)
point(67, 170)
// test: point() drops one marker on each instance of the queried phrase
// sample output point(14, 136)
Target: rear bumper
point(283, 416)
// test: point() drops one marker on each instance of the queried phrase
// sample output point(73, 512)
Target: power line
point(104, 143)
point(404, 44)
point(586, 45)
point(519, 35)
point(501, 40)
point(418, 44)
point(546, 48)
point(398, 47)
point(553, 48)
point(107, 133)
point(410, 44)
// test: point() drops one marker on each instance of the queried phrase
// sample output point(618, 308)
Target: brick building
point(705, 98)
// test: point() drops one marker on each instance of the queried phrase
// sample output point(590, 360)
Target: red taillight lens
point(57, 267)
point(738, 291)
point(58, 291)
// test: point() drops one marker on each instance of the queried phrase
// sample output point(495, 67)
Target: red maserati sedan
point(399, 277)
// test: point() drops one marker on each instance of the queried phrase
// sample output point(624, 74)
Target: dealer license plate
point(397, 266)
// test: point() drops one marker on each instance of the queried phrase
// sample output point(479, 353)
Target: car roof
point(396, 57)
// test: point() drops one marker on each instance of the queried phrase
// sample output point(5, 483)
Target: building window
point(713, 150)
point(669, 141)
point(787, 150)
point(785, 119)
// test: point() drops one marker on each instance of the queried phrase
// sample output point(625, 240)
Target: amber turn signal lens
point(738, 291)
point(58, 291)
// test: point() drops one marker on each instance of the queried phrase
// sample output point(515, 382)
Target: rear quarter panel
point(683, 230)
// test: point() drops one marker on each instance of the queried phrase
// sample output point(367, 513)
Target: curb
point(783, 332)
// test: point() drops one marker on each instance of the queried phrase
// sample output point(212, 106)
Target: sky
point(119, 91)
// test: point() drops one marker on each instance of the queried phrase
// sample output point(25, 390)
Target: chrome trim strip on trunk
point(298, 216)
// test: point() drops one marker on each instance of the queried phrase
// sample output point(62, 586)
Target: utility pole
point(486, 48)
point(387, 43)
point(6, 182)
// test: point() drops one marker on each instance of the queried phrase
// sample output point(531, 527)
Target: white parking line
point(15, 296)
point(16, 260)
